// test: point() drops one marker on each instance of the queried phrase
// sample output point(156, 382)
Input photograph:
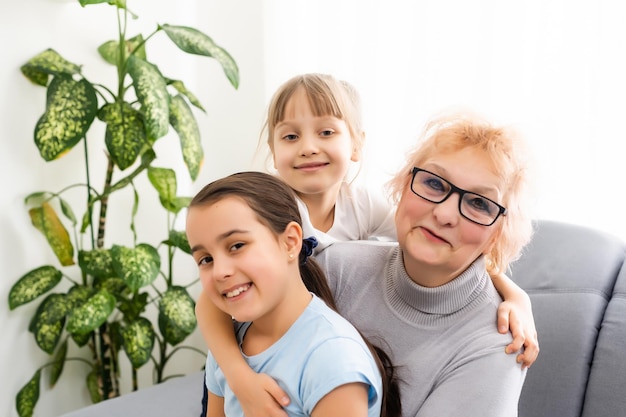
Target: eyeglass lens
point(473, 206)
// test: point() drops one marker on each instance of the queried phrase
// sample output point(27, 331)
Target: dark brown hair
point(275, 205)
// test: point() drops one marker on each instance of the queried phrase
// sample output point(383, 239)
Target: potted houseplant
point(111, 288)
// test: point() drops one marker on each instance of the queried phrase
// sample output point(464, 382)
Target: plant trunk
point(107, 349)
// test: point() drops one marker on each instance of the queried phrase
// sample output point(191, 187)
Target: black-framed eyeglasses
point(474, 207)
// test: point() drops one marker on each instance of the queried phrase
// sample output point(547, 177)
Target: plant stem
point(104, 202)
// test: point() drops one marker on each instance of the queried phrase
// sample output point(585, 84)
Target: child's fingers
point(531, 352)
point(260, 396)
point(279, 395)
point(504, 311)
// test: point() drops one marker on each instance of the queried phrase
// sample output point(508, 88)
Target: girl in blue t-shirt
point(245, 235)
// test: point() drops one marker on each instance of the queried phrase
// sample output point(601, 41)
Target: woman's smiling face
point(438, 243)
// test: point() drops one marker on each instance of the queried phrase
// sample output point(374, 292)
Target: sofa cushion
point(570, 274)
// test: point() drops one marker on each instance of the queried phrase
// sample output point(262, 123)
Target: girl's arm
point(349, 400)
point(515, 314)
point(215, 407)
point(258, 394)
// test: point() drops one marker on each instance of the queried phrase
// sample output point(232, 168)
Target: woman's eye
point(481, 204)
point(435, 184)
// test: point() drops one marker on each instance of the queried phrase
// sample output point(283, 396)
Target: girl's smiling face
point(245, 268)
point(438, 243)
point(312, 154)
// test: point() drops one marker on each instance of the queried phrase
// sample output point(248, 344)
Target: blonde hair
point(505, 150)
point(327, 96)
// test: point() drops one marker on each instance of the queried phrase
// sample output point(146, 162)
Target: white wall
point(553, 68)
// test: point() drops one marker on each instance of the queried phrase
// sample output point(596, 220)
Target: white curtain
point(554, 69)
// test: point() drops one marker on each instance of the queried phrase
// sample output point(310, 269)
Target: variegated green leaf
point(114, 286)
point(97, 262)
point(48, 62)
point(195, 42)
point(138, 341)
point(59, 362)
point(180, 87)
point(109, 51)
point(46, 334)
point(93, 387)
point(177, 318)
point(33, 284)
point(184, 122)
point(133, 307)
point(152, 93)
point(45, 219)
point(138, 267)
point(91, 314)
point(125, 134)
point(81, 339)
point(28, 396)
point(70, 110)
point(178, 240)
point(77, 296)
point(52, 309)
point(164, 181)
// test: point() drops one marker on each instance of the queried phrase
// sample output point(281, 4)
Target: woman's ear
point(292, 237)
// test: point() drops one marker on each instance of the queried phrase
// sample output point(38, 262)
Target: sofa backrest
point(576, 279)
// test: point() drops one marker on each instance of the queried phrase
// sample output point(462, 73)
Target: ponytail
point(315, 280)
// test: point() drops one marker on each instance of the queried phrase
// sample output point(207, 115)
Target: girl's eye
point(236, 246)
point(290, 138)
point(205, 260)
point(326, 133)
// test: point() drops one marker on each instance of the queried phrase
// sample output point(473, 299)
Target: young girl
point(246, 237)
point(315, 135)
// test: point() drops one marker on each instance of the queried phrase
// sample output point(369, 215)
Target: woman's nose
point(447, 212)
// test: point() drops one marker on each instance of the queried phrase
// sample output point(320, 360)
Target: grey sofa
point(576, 278)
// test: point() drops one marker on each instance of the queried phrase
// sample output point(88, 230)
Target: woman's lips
point(433, 237)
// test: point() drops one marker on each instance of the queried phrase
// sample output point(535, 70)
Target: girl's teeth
point(236, 292)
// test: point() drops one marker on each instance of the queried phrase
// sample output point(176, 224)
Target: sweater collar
point(413, 301)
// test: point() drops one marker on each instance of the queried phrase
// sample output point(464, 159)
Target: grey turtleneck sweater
point(443, 341)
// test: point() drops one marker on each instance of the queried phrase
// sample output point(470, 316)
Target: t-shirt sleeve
point(212, 375)
point(337, 362)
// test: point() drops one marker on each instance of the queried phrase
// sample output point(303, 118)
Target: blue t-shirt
point(320, 352)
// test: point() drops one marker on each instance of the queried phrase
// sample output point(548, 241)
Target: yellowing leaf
point(45, 219)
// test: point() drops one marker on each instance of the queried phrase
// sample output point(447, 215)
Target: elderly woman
point(429, 297)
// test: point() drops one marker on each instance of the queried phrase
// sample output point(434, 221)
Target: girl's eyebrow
point(223, 236)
